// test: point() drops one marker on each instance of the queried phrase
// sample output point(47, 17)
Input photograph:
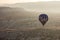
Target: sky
point(21, 1)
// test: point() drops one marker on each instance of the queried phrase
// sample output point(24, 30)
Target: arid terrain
point(20, 21)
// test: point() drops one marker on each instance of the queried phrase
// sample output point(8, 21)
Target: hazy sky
point(21, 1)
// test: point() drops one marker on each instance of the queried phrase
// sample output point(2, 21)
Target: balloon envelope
point(43, 18)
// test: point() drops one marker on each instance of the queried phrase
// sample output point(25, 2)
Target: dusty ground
point(36, 34)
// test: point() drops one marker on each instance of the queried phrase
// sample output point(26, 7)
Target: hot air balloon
point(43, 18)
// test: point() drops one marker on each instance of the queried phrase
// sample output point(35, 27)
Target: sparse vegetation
point(37, 34)
point(19, 25)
